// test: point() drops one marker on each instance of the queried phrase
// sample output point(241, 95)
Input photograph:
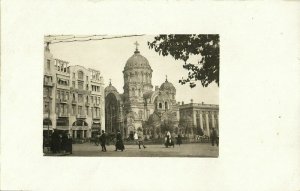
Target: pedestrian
point(136, 137)
point(103, 141)
point(179, 139)
point(55, 142)
point(97, 140)
point(119, 142)
point(141, 139)
point(70, 146)
point(214, 137)
point(64, 142)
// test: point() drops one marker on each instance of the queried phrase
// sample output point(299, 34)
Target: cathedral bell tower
point(137, 77)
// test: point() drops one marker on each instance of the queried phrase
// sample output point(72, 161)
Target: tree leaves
point(181, 47)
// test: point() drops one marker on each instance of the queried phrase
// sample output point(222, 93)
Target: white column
point(195, 119)
point(201, 121)
point(207, 123)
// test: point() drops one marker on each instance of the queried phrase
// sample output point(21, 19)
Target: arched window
point(80, 75)
point(166, 105)
point(160, 105)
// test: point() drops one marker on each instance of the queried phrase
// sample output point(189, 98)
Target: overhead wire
point(82, 38)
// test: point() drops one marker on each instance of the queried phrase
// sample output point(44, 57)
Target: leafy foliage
point(182, 47)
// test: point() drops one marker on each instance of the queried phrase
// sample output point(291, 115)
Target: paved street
point(186, 150)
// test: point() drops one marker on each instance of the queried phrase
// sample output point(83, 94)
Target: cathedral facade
point(141, 107)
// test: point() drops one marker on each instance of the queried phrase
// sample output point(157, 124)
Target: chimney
point(202, 103)
point(156, 88)
point(192, 100)
point(182, 103)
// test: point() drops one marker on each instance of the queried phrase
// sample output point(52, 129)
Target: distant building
point(73, 98)
point(197, 118)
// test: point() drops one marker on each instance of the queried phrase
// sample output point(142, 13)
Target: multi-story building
point(73, 98)
point(198, 117)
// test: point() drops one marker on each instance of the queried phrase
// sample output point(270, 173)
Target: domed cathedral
point(140, 107)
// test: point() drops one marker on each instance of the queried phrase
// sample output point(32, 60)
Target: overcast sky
point(110, 56)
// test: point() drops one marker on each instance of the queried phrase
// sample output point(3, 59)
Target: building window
point(58, 94)
point(74, 110)
point(80, 98)
point(87, 87)
point(80, 85)
point(92, 99)
point(160, 105)
point(166, 105)
point(87, 78)
point(80, 110)
point(73, 84)
point(48, 64)
point(80, 75)
point(87, 110)
point(46, 107)
point(73, 74)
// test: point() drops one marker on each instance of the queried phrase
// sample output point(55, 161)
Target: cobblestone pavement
point(186, 150)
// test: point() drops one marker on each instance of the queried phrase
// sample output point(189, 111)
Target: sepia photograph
point(131, 95)
point(150, 95)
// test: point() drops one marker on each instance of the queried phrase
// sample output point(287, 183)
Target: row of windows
point(64, 109)
point(64, 95)
point(163, 106)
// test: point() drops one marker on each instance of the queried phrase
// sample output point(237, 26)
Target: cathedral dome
point(137, 61)
point(110, 88)
point(167, 86)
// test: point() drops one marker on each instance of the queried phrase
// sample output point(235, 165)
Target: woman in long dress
point(119, 142)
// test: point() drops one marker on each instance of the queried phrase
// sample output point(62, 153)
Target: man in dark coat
point(103, 141)
point(179, 139)
point(64, 142)
point(119, 142)
point(214, 137)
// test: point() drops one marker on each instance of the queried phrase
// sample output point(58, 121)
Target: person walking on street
point(141, 139)
point(103, 141)
point(136, 137)
point(179, 139)
point(214, 137)
point(119, 142)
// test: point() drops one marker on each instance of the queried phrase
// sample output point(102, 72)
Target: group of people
point(139, 138)
point(169, 139)
point(119, 142)
point(61, 142)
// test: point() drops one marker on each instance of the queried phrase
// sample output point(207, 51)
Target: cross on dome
point(136, 45)
point(166, 78)
point(109, 81)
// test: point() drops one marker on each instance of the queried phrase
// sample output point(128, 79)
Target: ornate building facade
point(198, 118)
point(140, 107)
point(73, 98)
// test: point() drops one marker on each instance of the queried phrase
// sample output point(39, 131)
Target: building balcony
point(63, 115)
point(50, 84)
point(74, 102)
point(65, 101)
point(96, 117)
point(81, 116)
point(87, 104)
point(96, 104)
